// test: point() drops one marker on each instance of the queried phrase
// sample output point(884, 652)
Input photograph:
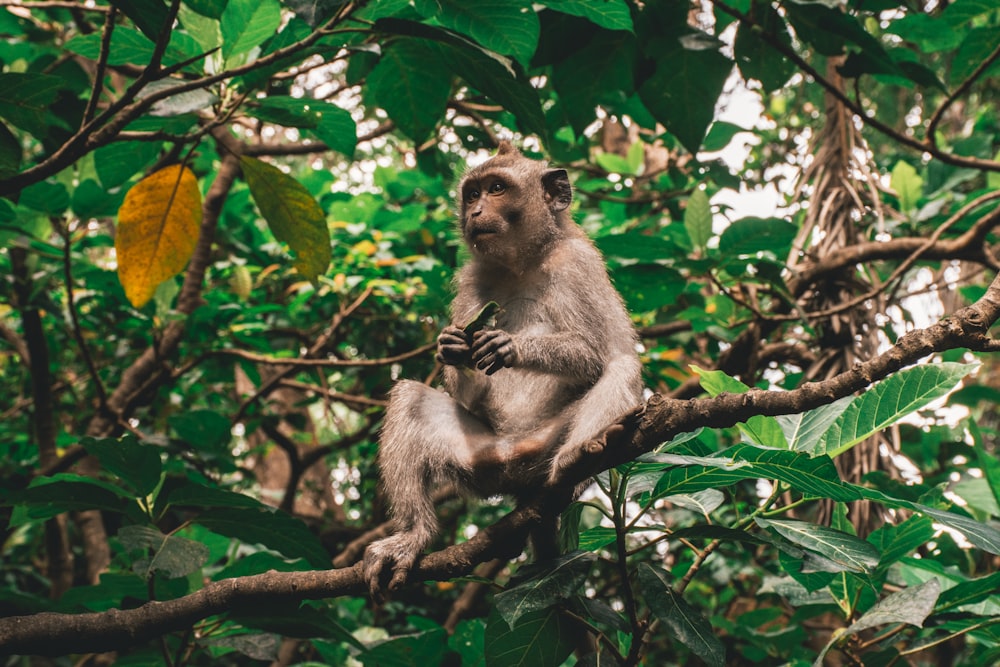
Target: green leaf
point(246, 24)
point(814, 476)
point(558, 581)
point(513, 91)
point(336, 128)
point(760, 429)
point(683, 90)
point(968, 592)
point(110, 593)
point(412, 83)
point(911, 606)
point(898, 541)
point(686, 624)
point(703, 502)
point(258, 563)
point(274, 529)
point(749, 236)
point(599, 73)
point(541, 639)
point(847, 551)
point(203, 430)
point(135, 463)
point(596, 538)
point(978, 44)
point(610, 14)
point(118, 162)
point(648, 287)
point(983, 535)
point(26, 97)
point(292, 214)
point(10, 153)
point(614, 164)
point(698, 219)
point(804, 431)
point(509, 27)
point(889, 401)
point(907, 184)
point(642, 248)
point(172, 555)
point(755, 54)
point(482, 318)
point(150, 16)
point(192, 494)
point(47, 497)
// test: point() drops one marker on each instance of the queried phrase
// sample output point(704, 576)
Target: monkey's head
point(513, 208)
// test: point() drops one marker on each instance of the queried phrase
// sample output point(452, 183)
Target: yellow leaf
point(158, 227)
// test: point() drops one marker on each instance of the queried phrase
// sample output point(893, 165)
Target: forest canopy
point(228, 226)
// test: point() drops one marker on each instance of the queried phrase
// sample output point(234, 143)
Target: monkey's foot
point(568, 459)
point(393, 555)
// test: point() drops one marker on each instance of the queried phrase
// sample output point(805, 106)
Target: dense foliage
point(227, 227)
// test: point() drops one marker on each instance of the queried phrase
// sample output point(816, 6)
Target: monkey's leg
point(594, 425)
point(427, 436)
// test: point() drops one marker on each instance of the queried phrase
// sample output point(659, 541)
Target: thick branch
point(661, 420)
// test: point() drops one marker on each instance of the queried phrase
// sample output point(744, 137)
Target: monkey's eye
point(471, 195)
point(497, 187)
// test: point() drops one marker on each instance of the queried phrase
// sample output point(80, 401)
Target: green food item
point(485, 314)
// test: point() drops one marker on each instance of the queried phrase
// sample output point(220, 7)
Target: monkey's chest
point(524, 401)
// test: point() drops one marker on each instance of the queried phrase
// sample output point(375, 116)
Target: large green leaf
point(610, 14)
point(911, 606)
point(804, 431)
point(274, 529)
point(174, 556)
point(135, 463)
point(756, 55)
point(889, 401)
point(149, 15)
point(292, 214)
point(510, 27)
point(846, 551)
point(412, 83)
point(897, 541)
point(813, 476)
point(698, 219)
point(246, 24)
point(508, 88)
point(47, 497)
point(683, 89)
point(969, 592)
point(983, 535)
point(686, 623)
point(748, 236)
point(25, 99)
point(540, 639)
point(597, 74)
point(558, 581)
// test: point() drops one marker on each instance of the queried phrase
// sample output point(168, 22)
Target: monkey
point(522, 399)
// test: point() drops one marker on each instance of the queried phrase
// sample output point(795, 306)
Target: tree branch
point(660, 420)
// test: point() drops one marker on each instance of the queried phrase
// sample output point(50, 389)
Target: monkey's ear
point(558, 192)
point(506, 148)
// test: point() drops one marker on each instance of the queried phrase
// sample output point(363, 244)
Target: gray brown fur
point(558, 369)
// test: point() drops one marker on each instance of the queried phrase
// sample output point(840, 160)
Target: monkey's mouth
point(476, 233)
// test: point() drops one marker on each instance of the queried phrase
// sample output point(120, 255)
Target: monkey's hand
point(493, 349)
point(395, 554)
point(453, 347)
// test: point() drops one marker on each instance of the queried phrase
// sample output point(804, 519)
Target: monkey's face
point(486, 207)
